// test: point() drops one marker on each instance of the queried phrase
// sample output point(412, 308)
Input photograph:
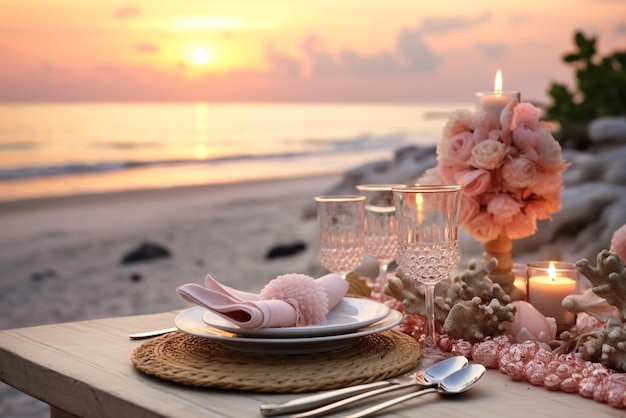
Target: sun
point(201, 56)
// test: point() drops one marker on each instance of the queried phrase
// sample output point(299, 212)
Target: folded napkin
point(288, 300)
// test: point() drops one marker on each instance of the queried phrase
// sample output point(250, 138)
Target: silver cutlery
point(150, 334)
point(333, 399)
point(456, 383)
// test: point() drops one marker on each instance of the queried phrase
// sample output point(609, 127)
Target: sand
point(60, 258)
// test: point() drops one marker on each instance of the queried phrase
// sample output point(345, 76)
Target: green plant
point(600, 91)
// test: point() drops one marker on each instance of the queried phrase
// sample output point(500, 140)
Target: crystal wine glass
point(428, 225)
point(341, 232)
point(381, 239)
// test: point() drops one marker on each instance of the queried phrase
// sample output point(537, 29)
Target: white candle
point(546, 291)
point(493, 103)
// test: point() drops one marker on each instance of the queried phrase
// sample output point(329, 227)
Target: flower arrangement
point(512, 172)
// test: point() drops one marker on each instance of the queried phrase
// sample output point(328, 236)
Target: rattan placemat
point(197, 361)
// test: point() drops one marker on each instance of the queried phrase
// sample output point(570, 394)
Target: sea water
point(55, 149)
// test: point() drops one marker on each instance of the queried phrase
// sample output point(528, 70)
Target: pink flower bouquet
point(512, 173)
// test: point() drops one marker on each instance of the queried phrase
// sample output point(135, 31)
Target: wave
point(314, 147)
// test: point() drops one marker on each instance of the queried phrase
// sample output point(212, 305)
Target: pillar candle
point(548, 284)
point(492, 103)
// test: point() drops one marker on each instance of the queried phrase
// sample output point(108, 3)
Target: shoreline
point(95, 197)
point(60, 258)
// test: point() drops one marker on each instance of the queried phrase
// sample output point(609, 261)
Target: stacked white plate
point(350, 320)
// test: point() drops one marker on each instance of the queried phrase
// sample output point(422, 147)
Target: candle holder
point(520, 282)
point(493, 102)
point(547, 284)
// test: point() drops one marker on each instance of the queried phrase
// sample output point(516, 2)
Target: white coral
point(472, 307)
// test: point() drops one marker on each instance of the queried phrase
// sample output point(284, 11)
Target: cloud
point(282, 64)
point(418, 55)
point(146, 48)
point(446, 25)
point(322, 62)
point(492, 50)
point(382, 63)
point(125, 12)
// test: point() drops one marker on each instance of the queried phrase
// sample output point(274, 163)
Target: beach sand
point(60, 258)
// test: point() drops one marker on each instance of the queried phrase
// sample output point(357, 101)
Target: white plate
point(190, 321)
point(349, 315)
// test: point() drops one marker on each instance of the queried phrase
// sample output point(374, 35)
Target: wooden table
point(84, 369)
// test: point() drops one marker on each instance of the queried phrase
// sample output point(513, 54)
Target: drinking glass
point(341, 232)
point(428, 225)
point(381, 239)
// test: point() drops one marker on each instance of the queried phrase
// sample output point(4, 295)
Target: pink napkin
point(289, 300)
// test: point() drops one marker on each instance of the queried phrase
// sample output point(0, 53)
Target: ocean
point(60, 149)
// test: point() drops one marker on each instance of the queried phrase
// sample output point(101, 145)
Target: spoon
point(432, 375)
point(458, 382)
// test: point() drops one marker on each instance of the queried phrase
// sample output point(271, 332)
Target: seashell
point(529, 324)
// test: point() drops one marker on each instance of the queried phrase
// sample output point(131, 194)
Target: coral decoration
point(608, 279)
point(511, 174)
point(607, 345)
point(587, 358)
point(303, 292)
point(472, 307)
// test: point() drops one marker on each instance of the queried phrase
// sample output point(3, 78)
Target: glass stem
point(382, 278)
point(430, 340)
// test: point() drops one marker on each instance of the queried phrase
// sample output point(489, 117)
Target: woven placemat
point(197, 361)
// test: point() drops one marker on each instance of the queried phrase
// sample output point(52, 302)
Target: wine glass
point(340, 221)
point(428, 225)
point(381, 239)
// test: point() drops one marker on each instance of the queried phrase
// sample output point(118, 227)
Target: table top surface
point(84, 368)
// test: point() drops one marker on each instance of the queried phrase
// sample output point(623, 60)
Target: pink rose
point(488, 154)
point(482, 127)
point(521, 226)
point(458, 150)
point(546, 183)
point(526, 137)
point(519, 173)
point(537, 209)
point(506, 119)
point(462, 122)
point(482, 227)
point(549, 153)
point(525, 114)
point(469, 209)
point(503, 208)
point(447, 173)
point(553, 202)
point(475, 182)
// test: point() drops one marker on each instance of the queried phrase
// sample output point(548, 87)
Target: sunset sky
point(292, 50)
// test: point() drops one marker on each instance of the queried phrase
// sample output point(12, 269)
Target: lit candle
point(519, 272)
point(548, 285)
point(492, 103)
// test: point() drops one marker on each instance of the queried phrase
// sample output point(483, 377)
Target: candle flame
point(419, 200)
point(498, 83)
point(552, 271)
